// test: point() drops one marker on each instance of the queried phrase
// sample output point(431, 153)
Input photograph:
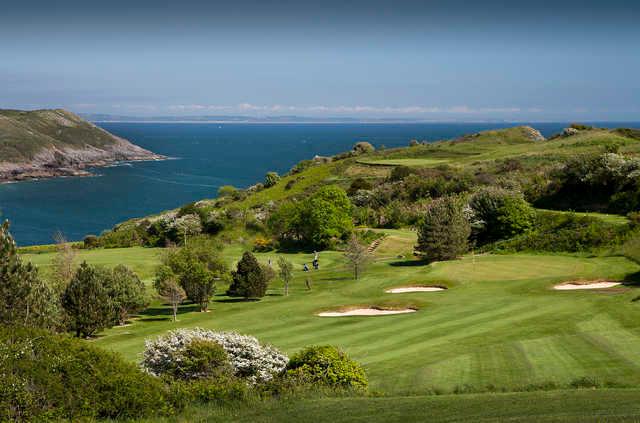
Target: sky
point(424, 60)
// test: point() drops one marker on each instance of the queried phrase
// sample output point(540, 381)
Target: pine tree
point(25, 300)
point(444, 231)
point(87, 301)
point(249, 280)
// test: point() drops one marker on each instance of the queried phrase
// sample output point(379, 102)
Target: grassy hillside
point(34, 143)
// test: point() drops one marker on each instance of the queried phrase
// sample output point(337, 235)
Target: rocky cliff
point(48, 143)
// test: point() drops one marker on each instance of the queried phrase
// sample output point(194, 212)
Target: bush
point(566, 232)
point(358, 184)
point(398, 173)
point(500, 214)
point(249, 360)
point(200, 359)
point(52, 377)
point(329, 366)
point(444, 231)
point(91, 241)
point(270, 179)
point(363, 147)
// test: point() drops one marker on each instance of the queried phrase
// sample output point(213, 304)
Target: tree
point(500, 214)
point(444, 231)
point(87, 302)
point(127, 293)
point(169, 289)
point(270, 179)
point(318, 221)
point(249, 279)
point(357, 256)
point(64, 265)
point(25, 300)
point(196, 268)
point(286, 272)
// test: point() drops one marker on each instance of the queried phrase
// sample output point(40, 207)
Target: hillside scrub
point(52, 377)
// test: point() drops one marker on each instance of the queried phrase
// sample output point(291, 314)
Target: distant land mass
point(100, 117)
point(48, 143)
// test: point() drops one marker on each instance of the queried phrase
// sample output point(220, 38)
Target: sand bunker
point(366, 312)
point(414, 289)
point(585, 285)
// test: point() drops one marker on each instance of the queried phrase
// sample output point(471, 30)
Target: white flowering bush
point(249, 359)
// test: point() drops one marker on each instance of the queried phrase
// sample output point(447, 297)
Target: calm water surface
point(207, 156)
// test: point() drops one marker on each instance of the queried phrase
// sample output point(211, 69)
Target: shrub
point(228, 191)
point(500, 214)
point(249, 360)
point(270, 179)
point(249, 279)
point(444, 231)
point(363, 147)
point(565, 232)
point(200, 358)
point(329, 366)
point(91, 241)
point(53, 377)
point(263, 244)
point(358, 184)
point(398, 173)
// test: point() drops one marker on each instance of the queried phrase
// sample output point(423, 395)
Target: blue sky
point(429, 60)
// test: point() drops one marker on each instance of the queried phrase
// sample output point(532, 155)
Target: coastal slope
point(48, 143)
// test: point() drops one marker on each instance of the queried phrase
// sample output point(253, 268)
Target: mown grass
point(498, 325)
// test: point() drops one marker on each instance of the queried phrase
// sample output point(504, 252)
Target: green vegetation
point(497, 337)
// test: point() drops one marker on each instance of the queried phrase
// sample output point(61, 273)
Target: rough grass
point(577, 406)
point(499, 324)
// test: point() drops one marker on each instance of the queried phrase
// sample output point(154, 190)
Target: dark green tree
point(87, 300)
point(25, 300)
point(249, 279)
point(444, 231)
point(127, 293)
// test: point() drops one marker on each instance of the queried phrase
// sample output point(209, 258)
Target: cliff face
point(47, 143)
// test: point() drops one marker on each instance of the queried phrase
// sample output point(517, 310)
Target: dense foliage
point(500, 214)
point(51, 377)
point(25, 299)
point(250, 360)
point(329, 366)
point(195, 267)
point(249, 279)
point(318, 221)
point(444, 231)
point(606, 182)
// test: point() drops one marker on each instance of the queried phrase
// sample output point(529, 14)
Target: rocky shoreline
point(29, 172)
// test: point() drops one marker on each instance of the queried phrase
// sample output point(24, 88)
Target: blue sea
point(206, 156)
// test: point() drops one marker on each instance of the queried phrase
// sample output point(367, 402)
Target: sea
point(204, 156)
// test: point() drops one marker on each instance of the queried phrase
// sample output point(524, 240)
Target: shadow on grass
point(409, 263)
point(166, 311)
point(237, 300)
point(632, 279)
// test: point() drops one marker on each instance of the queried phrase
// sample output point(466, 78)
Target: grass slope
point(577, 406)
point(499, 323)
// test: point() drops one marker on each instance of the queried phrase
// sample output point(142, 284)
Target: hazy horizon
point(419, 60)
